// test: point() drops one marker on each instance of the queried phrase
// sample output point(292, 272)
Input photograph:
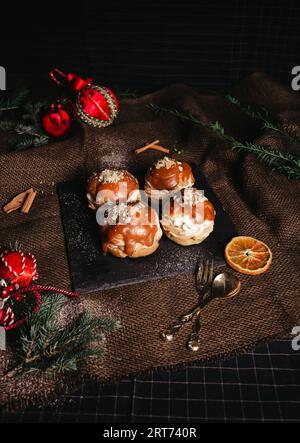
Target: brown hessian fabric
point(260, 202)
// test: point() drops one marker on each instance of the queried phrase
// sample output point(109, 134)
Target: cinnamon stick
point(161, 149)
point(144, 148)
point(28, 202)
point(17, 202)
point(155, 148)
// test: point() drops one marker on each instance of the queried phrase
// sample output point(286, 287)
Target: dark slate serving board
point(90, 270)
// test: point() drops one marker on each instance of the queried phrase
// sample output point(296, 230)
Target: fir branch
point(28, 131)
point(44, 346)
point(16, 246)
point(264, 116)
point(24, 141)
point(129, 94)
point(7, 125)
point(25, 129)
point(32, 112)
point(293, 140)
point(13, 100)
point(260, 113)
point(214, 127)
point(283, 162)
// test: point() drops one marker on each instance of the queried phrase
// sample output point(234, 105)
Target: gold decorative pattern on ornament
point(93, 121)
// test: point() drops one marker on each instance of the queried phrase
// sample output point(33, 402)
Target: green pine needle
point(27, 131)
point(260, 113)
point(264, 116)
point(16, 246)
point(45, 346)
point(283, 162)
point(7, 125)
point(14, 100)
point(32, 112)
point(129, 94)
point(24, 141)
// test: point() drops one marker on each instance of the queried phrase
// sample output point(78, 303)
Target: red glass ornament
point(96, 105)
point(57, 121)
point(17, 269)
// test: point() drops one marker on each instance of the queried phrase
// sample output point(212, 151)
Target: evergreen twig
point(284, 162)
point(27, 130)
point(264, 116)
point(129, 94)
point(13, 101)
point(15, 246)
point(32, 112)
point(44, 346)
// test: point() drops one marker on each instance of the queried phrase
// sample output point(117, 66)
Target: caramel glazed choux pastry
point(129, 230)
point(112, 185)
point(188, 218)
point(167, 176)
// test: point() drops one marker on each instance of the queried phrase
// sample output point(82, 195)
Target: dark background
point(144, 45)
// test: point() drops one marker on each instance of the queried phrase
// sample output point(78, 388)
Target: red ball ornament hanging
point(57, 121)
point(96, 105)
point(18, 271)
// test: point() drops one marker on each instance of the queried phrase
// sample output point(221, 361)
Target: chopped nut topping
point(123, 213)
point(190, 196)
point(166, 162)
point(108, 176)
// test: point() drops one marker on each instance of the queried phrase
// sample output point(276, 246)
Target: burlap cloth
point(261, 203)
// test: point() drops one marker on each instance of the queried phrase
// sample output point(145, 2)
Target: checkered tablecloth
point(259, 386)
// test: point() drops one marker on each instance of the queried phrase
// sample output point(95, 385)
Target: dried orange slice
point(248, 255)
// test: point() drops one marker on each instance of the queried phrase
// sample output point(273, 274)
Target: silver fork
point(203, 281)
point(193, 342)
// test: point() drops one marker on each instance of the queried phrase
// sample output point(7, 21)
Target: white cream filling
point(185, 225)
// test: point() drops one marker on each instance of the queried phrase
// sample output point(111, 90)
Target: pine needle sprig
point(283, 162)
point(264, 116)
point(24, 141)
point(32, 112)
point(9, 102)
point(260, 113)
point(271, 126)
point(26, 128)
point(129, 94)
point(45, 346)
point(7, 125)
point(25, 135)
point(15, 246)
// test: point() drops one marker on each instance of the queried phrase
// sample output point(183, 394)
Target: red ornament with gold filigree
point(95, 105)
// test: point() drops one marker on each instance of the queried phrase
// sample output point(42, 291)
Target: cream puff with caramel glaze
point(188, 218)
point(130, 230)
point(112, 185)
point(166, 177)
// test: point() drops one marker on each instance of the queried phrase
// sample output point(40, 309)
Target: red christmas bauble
point(97, 106)
point(17, 268)
point(57, 121)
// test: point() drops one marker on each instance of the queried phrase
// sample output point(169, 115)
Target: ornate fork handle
point(168, 334)
point(193, 343)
